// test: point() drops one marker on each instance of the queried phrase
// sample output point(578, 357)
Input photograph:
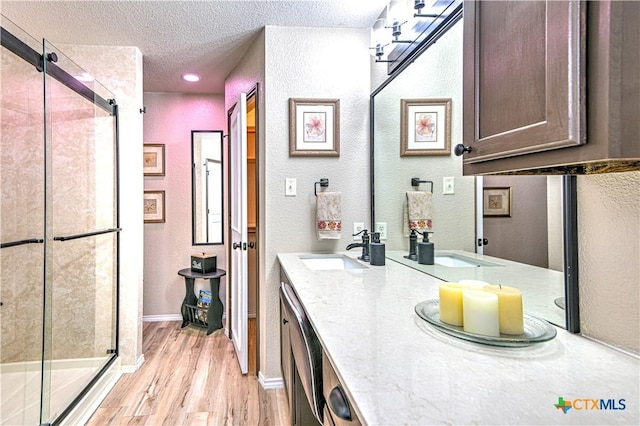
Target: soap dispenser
point(413, 240)
point(425, 249)
point(377, 250)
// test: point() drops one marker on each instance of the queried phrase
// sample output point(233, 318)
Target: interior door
point(239, 230)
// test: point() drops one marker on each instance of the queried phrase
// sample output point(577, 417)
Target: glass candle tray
point(535, 329)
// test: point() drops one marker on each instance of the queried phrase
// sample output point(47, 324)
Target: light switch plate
point(290, 187)
point(447, 186)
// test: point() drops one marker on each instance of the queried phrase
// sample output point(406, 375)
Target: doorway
point(251, 269)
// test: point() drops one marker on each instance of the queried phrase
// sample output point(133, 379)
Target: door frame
point(252, 93)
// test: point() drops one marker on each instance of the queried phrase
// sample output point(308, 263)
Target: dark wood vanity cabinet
point(286, 358)
point(551, 86)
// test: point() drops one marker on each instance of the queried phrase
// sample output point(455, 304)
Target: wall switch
point(290, 187)
point(357, 227)
point(381, 227)
point(447, 185)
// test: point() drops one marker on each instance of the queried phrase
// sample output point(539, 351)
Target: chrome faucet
point(364, 244)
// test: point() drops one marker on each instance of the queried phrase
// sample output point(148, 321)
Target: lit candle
point(451, 303)
point(480, 312)
point(509, 308)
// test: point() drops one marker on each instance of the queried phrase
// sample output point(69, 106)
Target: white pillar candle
point(480, 312)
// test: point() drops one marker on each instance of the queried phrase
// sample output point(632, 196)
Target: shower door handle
point(482, 242)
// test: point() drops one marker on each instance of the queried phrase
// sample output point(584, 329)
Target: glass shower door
point(21, 230)
point(81, 232)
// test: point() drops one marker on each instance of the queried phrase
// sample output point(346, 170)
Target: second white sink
point(327, 262)
point(457, 261)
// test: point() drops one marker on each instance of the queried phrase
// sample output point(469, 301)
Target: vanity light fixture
point(405, 18)
point(397, 15)
point(190, 77)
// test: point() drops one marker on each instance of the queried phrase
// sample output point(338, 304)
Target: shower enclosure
point(59, 231)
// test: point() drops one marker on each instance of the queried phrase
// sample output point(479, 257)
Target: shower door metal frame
point(24, 51)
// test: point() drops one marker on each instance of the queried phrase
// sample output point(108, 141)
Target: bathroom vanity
point(395, 368)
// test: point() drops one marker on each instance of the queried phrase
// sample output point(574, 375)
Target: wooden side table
point(189, 304)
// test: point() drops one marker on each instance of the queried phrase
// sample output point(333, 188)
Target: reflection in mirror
point(207, 187)
point(457, 218)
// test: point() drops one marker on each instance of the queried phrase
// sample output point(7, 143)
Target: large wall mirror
point(207, 187)
point(528, 246)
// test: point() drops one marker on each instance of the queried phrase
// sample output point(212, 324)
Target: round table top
point(188, 273)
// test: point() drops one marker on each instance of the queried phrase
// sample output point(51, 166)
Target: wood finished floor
point(189, 378)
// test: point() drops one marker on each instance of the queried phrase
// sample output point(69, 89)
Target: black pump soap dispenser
point(377, 250)
point(425, 249)
point(413, 240)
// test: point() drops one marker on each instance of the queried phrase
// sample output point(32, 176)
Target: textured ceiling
point(206, 37)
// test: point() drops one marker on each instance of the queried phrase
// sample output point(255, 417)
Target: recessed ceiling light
point(191, 77)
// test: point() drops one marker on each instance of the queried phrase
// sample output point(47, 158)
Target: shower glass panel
point(81, 250)
point(59, 231)
point(21, 233)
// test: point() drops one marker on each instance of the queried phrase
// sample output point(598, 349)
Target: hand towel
point(417, 211)
point(328, 215)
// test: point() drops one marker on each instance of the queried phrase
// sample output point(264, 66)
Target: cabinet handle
point(284, 321)
point(339, 404)
point(461, 149)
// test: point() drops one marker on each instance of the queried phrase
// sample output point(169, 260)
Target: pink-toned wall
point(169, 120)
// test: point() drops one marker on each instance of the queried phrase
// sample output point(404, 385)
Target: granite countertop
point(398, 369)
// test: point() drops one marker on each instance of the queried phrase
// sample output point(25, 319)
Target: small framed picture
point(496, 202)
point(314, 127)
point(425, 127)
point(153, 155)
point(154, 207)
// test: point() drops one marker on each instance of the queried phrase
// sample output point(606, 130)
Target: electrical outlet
point(447, 186)
point(381, 227)
point(290, 187)
point(357, 227)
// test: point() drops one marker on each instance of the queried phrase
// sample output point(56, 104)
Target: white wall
point(304, 63)
point(169, 120)
point(609, 258)
point(120, 70)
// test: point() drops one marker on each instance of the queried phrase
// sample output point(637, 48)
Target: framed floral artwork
point(425, 127)
point(496, 202)
point(314, 127)
point(153, 156)
point(154, 207)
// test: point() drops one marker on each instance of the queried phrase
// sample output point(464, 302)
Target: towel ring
point(416, 182)
point(324, 182)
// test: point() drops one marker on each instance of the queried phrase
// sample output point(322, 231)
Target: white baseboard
point(274, 383)
point(128, 369)
point(174, 317)
point(159, 318)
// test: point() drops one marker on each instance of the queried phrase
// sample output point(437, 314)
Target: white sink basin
point(327, 262)
point(457, 261)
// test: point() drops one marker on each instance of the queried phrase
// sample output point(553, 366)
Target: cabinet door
point(523, 85)
point(286, 363)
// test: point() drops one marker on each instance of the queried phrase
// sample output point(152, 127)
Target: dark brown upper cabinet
point(551, 87)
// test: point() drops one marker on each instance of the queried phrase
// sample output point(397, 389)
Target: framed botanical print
point(153, 156)
point(496, 202)
point(425, 127)
point(314, 127)
point(154, 207)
